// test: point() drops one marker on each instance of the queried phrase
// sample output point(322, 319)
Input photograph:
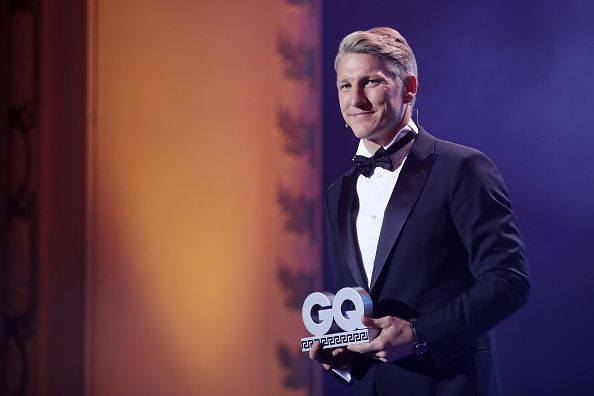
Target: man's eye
point(345, 86)
point(372, 83)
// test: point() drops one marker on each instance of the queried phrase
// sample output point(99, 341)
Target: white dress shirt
point(374, 192)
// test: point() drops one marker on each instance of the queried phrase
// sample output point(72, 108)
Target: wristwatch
point(420, 345)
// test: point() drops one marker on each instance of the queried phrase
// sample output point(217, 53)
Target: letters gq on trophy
point(335, 320)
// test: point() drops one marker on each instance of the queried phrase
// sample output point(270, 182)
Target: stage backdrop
point(205, 196)
point(198, 184)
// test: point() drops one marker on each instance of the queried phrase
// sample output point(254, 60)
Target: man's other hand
point(395, 340)
point(335, 358)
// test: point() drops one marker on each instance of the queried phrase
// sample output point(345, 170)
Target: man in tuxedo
point(426, 226)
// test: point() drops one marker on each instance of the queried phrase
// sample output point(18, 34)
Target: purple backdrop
point(513, 79)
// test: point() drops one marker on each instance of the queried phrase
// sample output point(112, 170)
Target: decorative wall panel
point(206, 217)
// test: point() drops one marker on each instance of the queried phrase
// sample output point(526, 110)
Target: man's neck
point(373, 146)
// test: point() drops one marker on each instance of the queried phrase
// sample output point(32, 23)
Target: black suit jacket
point(449, 254)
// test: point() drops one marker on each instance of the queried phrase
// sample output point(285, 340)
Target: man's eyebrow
point(364, 77)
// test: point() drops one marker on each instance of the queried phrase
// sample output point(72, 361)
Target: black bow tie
point(381, 157)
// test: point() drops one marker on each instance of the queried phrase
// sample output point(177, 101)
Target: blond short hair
point(384, 42)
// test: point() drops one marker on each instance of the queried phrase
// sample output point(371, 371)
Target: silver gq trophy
point(325, 313)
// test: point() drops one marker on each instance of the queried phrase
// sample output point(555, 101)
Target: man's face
point(371, 101)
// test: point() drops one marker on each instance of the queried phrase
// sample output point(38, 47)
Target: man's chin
point(361, 133)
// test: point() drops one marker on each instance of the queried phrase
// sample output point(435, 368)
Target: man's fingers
point(338, 351)
point(378, 344)
point(379, 323)
point(315, 353)
point(364, 348)
point(312, 352)
point(368, 322)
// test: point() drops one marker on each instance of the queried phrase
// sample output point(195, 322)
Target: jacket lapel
point(348, 206)
point(404, 197)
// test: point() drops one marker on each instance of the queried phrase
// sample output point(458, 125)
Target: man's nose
point(358, 98)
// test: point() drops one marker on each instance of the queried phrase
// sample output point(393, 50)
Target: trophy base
point(336, 340)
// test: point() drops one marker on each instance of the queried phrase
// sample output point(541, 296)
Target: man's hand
point(395, 340)
point(336, 358)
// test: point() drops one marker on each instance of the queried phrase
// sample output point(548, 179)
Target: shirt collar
point(411, 126)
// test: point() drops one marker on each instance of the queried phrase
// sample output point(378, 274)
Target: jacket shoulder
point(455, 151)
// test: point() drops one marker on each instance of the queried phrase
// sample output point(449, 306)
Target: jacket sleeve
point(482, 214)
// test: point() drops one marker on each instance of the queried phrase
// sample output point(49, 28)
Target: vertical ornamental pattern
point(298, 193)
point(19, 194)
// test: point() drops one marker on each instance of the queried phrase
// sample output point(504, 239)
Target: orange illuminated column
point(205, 196)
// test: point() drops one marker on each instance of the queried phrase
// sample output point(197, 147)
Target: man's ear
point(410, 89)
